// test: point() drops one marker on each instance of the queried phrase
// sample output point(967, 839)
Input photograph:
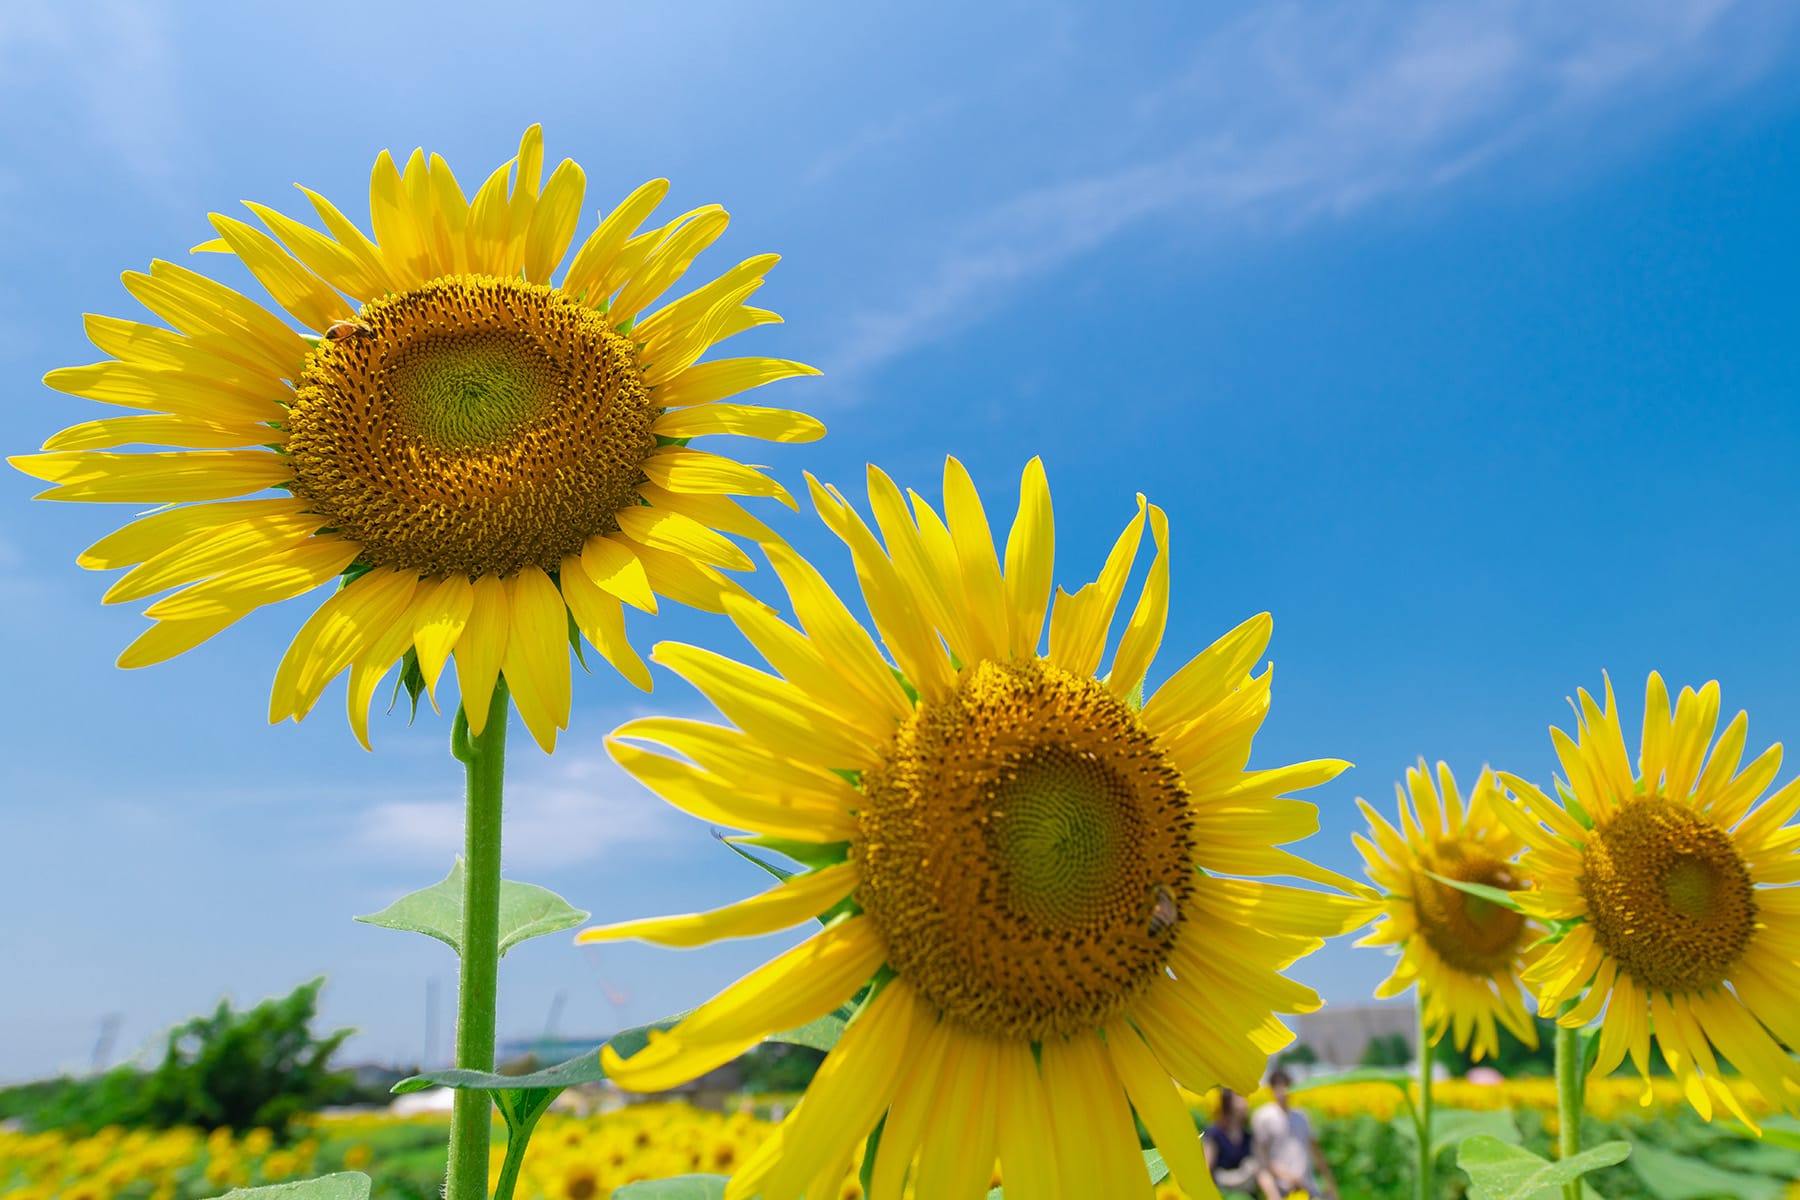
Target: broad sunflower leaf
point(526, 911)
point(1499, 897)
point(1449, 1126)
point(821, 1034)
point(1678, 1177)
point(344, 1185)
point(676, 1187)
point(1498, 1171)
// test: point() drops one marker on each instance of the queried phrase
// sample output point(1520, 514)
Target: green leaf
point(1677, 1177)
point(1776, 1131)
point(1450, 1126)
point(1498, 1171)
point(345, 1185)
point(676, 1187)
point(526, 911)
point(1499, 897)
point(820, 1034)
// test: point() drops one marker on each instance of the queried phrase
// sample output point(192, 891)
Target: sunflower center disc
point(1026, 850)
point(1669, 896)
point(474, 425)
point(1468, 932)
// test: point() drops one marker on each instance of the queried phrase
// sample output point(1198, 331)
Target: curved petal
point(790, 902)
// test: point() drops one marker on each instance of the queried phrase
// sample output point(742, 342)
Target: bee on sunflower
point(1037, 880)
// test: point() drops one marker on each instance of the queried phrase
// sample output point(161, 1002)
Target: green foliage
point(1299, 1054)
point(1514, 1057)
point(345, 1185)
point(676, 1187)
point(257, 1068)
point(1498, 1171)
point(776, 1067)
point(526, 911)
point(1386, 1050)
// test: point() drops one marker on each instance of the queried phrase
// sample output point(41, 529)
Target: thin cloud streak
point(1292, 116)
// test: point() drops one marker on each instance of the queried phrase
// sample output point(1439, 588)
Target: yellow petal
point(853, 1087)
point(338, 630)
point(709, 381)
point(841, 639)
point(957, 1155)
point(1138, 644)
point(310, 299)
point(336, 264)
point(439, 618)
point(742, 420)
point(372, 662)
point(602, 622)
point(795, 659)
point(481, 649)
point(768, 707)
point(165, 639)
point(751, 766)
point(213, 552)
point(1153, 1095)
point(794, 900)
point(683, 470)
point(278, 576)
point(665, 529)
point(801, 985)
point(196, 305)
point(597, 252)
point(159, 430)
point(536, 658)
point(614, 567)
point(403, 243)
point(737, 801)
point(1030, 559)
point(1209, 675)
point(913, 1107)
point(149, 536)
point(1079, 622)
point(682, 579)
point(1096, 1142)
point(159, 478)
point(191, 392)
point(553, 221)
point(670, 261)
point(983, 590)
point(353, 241)
point(1024, 1134)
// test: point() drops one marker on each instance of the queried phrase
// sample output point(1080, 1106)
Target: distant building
point(1339, 1034)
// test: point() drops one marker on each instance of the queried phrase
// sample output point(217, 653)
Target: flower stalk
point(484, 760)
point(1422, 1115)
point(1568, 1102)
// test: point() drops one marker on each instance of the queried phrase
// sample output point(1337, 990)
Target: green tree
point(261, 1067)
point(1386, 1050)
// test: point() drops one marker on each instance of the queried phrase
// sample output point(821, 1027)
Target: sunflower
point(487, 459)
point(1665, 888)
point(1464, 952)
point(1024, 864)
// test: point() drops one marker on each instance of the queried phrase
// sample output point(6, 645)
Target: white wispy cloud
point(574, 808)
point(1296, 113)
point(115, 62)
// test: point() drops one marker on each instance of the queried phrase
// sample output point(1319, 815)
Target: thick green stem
point(1422, 1115)
point(1568, 1101)
point(471, 1119)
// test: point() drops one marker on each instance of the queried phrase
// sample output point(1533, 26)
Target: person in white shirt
point(1284, 1142)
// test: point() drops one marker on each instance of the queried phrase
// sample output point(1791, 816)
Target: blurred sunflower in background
point(1666, 888)
point(1464, 952)
point(488, 459)
point(1022, 863)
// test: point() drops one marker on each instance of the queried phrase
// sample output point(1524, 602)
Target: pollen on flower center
point(1026, 851)
point(1468, 932)
point(1668, 894)
point(473, 425)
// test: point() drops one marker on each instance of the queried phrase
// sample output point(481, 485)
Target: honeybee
point(1162, 910)
point(339, 331)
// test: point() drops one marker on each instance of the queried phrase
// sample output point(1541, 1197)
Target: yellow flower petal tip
point(460, 338)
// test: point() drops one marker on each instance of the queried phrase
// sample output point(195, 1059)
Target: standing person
point(1234, 1168)
point(1283, 1140)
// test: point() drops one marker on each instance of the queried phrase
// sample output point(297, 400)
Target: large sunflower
point(1027, 863)
point(1464, 952)
point(488, 458)
point(1664, 885)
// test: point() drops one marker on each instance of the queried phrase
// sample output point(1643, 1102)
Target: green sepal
point(575, 639)
point(779, 872)
point(845, 906)
point(1590, 1053)
point(807, 854)
point(412, 679)
point(1499, 897)
point(1134, 700)
point(343, 1185)
point(675, 1187)
point(1572, 803)
point(906, 685)
point(1558, 929)
point(672, 441)
point(526, 911)
point(1498, 1171)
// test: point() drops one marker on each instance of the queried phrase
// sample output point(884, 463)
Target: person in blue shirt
point(1228, 1153)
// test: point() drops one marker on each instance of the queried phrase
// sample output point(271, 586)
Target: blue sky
point(1461, 338)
